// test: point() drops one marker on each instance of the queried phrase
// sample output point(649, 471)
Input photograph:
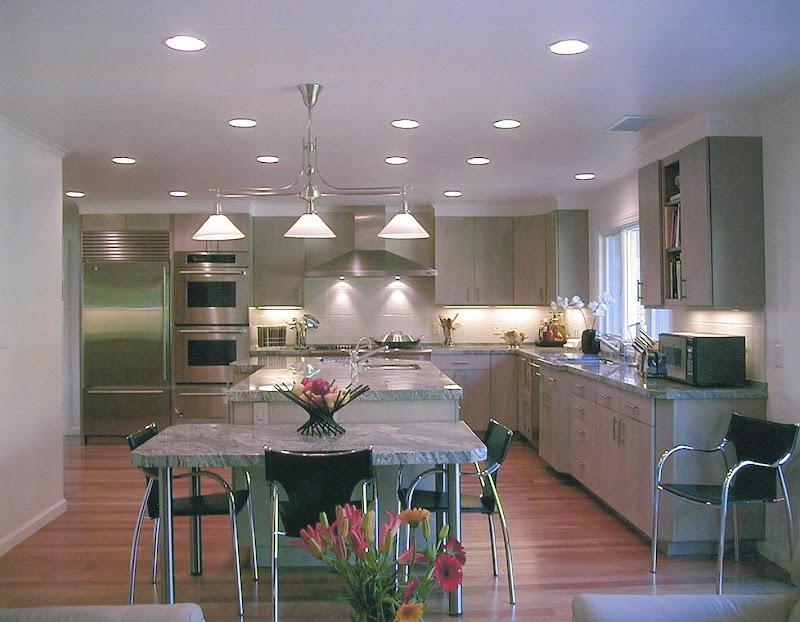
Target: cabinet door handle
point(638, 290)
point(581, 386)
point(460, 363)
point(579, 463)
point(614, 430)
point(580, 410)
point(632, 406)
point(551, 379)
point(580, 430)
point(604, 396)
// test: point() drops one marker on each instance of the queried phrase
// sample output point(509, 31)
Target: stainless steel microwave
point(704, 360)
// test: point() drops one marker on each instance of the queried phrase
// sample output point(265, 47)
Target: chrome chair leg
point(735, 533)
point(512, 595)
point(156, 530)
point(135, 544)
point(789, 518)
point(236, 561)
point(493, 540)
point(274, 550)
point(252, 525)
point(723, 516)
point(654, 543)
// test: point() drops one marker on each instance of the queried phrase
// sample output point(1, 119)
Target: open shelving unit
point(671, 228)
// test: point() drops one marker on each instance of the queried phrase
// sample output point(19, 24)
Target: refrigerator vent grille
point(125, 245)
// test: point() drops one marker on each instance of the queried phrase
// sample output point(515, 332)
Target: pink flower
point(353, 515)
point(448, 572)
point(389, 531)
point(454, 549)
point(407, 557)
point(360, 544)
point(311, 539)
point(340, 548)
point(408, 593)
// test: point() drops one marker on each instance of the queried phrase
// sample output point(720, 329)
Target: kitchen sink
point(392, 366)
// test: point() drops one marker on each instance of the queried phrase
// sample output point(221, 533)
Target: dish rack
point(271, 336)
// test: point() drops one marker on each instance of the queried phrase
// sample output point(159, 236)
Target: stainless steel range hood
point(370, 257)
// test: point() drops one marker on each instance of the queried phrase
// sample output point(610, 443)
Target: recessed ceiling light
point(123, 160)
point(478, 160)
point(507, 124)
point(585, 176)
point(396, 160)
point(405, 124)
point(185, 43)
point(568, 47)
point(242, 123)
point(75, 194)
point(178, 193)
point(268, 159)
point(452, 193)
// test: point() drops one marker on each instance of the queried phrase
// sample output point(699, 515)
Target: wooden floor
point(564, 543)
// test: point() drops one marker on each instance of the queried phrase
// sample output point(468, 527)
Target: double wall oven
point(211, 300)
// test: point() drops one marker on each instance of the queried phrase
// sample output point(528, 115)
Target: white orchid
point(599, 307)
point(564, 303)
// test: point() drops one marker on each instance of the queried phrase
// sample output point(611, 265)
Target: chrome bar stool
point(762, 448)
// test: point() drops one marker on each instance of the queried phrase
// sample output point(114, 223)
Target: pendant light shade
point(218, 227)
point(310, 225)
point(403, 226)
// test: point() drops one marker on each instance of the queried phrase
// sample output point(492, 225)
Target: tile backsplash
point(362, 307)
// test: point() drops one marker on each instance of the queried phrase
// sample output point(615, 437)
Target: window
point(620, 277)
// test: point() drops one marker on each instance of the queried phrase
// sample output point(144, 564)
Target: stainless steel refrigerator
point(125, 339)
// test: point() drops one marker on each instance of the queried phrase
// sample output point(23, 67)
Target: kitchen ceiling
point(94, 77)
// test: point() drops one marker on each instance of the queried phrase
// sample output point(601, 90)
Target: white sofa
point(784, 607)
point(183, 612)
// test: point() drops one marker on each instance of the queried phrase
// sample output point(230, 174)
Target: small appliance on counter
point(704, 360)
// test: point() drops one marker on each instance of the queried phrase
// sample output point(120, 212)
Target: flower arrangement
point(368, 569)
point(598, 308)
point(320, 399)
point(449, 326)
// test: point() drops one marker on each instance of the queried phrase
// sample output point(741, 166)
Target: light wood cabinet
point(567, 250)
point(704, 213)
point(525, 398)
point(503, 379)
point(184, 226)
point(279, 263)
point(472, 372)
point(474, 260)
point(530, 260)
point(554, 419)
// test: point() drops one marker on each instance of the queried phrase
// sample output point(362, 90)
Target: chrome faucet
point(355, 358)
point(616, 344)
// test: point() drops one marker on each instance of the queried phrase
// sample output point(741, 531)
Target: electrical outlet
point(778, 355)
point(497, 329)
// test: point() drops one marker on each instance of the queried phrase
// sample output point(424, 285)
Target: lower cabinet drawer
point(578, 385)
point(204, 403)
point(637, 407)
point(462, 361)
point(607, 396)
point(582, 441)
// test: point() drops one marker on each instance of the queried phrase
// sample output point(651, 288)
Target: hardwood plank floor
point(564, 543)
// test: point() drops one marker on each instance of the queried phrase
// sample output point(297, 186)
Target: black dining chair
point(230, 502)
point(313, 482)
point(762, 448)
point(497, 440)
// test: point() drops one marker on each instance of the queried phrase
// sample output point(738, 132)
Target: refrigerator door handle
point(126, 391)
point(165, 324)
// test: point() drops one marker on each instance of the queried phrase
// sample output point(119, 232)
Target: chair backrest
point(137, 439)
point(497, 440)
point(761, 441)
point(315, 482)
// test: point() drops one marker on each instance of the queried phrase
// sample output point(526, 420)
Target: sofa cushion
point(683, 608)
point(183, 612)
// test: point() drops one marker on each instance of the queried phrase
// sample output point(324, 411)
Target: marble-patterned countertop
point(224, 445)
point(618, 375)
point(425, 382)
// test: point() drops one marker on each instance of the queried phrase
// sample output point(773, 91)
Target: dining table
point(242, 446)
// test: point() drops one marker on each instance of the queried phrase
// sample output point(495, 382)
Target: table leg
point(441, 487)
point(167, 549)
point(454, 520)
point(195, 533)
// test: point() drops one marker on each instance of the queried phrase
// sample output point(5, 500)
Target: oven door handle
point(211, 331)
point(233, 272)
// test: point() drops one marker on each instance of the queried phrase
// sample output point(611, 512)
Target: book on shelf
point(675, 198)
point(672, 228)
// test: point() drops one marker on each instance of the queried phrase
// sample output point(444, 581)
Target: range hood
point(370, 257)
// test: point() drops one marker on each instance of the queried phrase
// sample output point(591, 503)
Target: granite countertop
point(425, 383)
point(223, 445)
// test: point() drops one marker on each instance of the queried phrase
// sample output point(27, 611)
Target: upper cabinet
point(184, 226)
point(567, 254)
point(474, 260)
point(702, 226)
point(530, 260)
point(125, 222)
point(279, 263)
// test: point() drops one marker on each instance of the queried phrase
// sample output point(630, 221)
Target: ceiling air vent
point(632, 123)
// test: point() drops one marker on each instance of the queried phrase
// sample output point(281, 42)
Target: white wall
point(31, 445)
point(781, 130)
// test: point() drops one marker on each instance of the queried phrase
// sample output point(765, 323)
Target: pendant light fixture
point(403, 226)
point(218, 226)
point(310, 185)
point(309, 225)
